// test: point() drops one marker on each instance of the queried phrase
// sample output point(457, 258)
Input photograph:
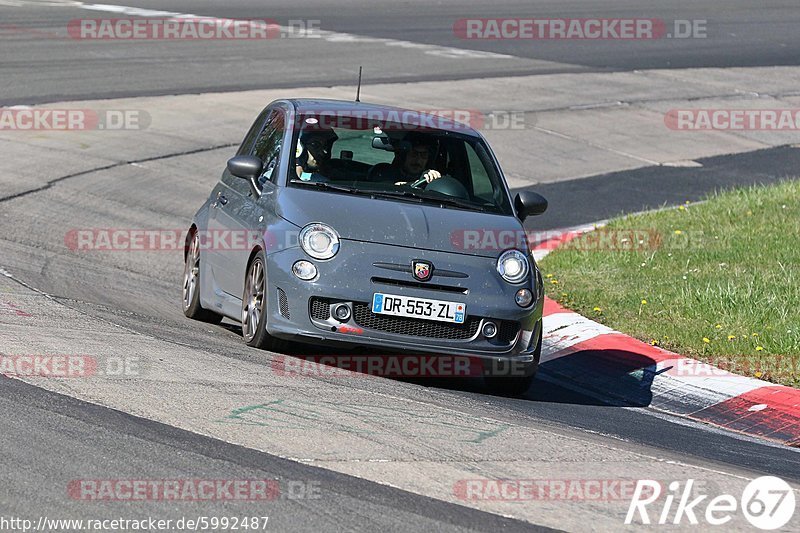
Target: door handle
point(221, 200)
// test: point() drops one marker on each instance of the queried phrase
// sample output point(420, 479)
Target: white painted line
point(684, 163)
point(448, 52)
point(39, 3)
point(701, 375)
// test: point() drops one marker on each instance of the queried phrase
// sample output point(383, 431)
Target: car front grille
point(415, 327)
point(320, 308)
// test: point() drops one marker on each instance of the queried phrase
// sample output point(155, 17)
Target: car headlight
point(319, 241)
point(513, 266)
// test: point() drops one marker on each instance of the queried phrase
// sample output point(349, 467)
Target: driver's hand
point(431, 175)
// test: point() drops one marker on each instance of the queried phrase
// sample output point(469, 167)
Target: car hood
point(400, 223)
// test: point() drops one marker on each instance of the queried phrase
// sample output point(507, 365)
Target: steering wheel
point(419, 182)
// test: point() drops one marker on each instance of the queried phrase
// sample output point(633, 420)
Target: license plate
point(393, 304)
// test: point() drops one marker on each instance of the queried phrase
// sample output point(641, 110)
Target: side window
point(268, 146)
point(481, 183)
point(246, 147)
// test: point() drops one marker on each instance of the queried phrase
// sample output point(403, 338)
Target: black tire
point(254, 306)
point(514, 385)
point(191, 285)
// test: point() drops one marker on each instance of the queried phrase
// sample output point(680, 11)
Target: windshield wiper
point(327, 186)
point(434, 199)
point(352, 190)
point(410, 196)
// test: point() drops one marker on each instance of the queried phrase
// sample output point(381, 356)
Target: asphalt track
point(50, 439)
point(110, 439)
point(40, 63)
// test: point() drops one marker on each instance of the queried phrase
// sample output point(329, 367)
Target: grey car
point(357, 225)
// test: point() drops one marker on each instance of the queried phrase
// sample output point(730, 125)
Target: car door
point(238, 214)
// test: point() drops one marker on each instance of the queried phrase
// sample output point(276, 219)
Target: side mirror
point(529, 203)
point(382, 143)
point(248, 167)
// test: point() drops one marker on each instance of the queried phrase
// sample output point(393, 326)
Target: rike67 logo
point(767, 503)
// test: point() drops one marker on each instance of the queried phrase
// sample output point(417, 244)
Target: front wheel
point(515, 385)
point(191, 286)
point(254, 308)
point(509, 386)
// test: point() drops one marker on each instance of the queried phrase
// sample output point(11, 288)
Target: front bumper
point(352, 277)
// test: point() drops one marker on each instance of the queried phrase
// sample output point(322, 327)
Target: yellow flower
point(666, 338)
point(681, 208)
point(754, 335)
point(731, 337)
point(759, 348)
point(758, 374)
point(644, 302)
point(653, 342)
point(686, 202)
point(564, 294)
point(549, 276)
point(597, 310)
point(718, 326)
point(678, 232)
point(706, 340)
point(554, 281)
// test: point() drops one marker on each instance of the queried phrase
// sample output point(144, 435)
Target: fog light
point(341, 312)
point(489, 330)
point(304, 270)
point(524, 298)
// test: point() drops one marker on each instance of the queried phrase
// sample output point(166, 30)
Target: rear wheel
point(254, 308)
point(191, 285)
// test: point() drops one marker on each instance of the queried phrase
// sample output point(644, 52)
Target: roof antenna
point(358, 90)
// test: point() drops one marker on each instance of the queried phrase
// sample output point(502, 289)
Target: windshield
point(391, 161)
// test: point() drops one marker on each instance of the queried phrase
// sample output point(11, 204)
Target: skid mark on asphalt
point(133, 162)
point(360, 419)
point(7, 308)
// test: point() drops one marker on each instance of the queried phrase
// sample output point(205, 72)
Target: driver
point(413, 164)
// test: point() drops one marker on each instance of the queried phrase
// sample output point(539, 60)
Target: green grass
point(721, 279)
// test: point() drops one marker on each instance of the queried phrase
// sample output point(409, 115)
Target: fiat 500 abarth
point(350, 224)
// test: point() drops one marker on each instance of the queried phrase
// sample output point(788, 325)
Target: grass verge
point(718, 281)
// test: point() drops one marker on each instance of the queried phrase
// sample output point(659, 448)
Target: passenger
point(314, 153)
